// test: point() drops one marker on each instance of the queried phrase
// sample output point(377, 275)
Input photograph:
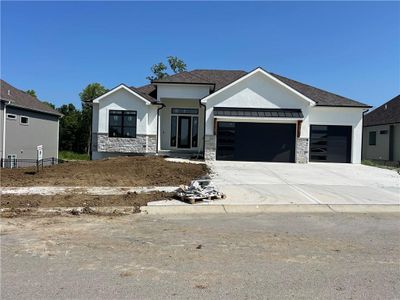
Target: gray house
point(381, 134)
point(25, 123)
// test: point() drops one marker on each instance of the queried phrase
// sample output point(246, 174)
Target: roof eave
point(35, 110)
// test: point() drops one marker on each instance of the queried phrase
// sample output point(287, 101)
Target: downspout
point(4, 132)
point(362, 134)
point(204, 128)
point(158, 123)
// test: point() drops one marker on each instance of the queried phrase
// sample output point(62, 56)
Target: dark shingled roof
point(387, 113)
point(319, 96)
point(21, 99)
point(222, 78)
point(147, 92)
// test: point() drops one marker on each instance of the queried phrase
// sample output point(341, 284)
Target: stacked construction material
point(199, 190)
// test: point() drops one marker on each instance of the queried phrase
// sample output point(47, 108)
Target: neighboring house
point(229, 115)
point(26, 123)
point(381, 139)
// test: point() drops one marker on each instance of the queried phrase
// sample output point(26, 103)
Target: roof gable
point(21, 99)
point(387, 113)
point(136, 92)
point(258, 71)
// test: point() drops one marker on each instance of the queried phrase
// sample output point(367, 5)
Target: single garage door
point(256, 141)
point(330, 143)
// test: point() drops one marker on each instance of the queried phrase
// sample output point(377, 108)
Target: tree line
point(76, 123)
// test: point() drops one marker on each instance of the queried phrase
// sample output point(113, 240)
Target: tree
point(89, 93)
point(70, 125)
point(177, 65)
point(31, 92)
point(159, 70)
point(49, 104)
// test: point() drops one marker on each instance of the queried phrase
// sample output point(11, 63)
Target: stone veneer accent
point(141, 144)
point(302, 150)
point(210, 147)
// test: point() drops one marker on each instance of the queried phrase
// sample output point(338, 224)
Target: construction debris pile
point(199, 190)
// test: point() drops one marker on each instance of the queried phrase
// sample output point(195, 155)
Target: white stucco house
point(229, 115)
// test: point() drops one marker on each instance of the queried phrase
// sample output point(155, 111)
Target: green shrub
point(69, 155)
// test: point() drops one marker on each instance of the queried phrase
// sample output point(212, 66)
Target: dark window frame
point(24, 118)
point(174, 131)
point(122, 126)
point(184, 111)
point(372, 138)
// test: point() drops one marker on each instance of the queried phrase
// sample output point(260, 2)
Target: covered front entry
point(248, 141)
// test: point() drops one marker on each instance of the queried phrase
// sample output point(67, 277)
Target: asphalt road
point(269, 256)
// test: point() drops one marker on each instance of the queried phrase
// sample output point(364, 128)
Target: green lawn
point(69, 155)
point(381, 164)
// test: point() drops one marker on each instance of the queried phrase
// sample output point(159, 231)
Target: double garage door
point(256, 141)
point(274, 142)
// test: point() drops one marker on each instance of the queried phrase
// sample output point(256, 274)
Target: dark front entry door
point(330, 143)
point(256, 141)
point(184, 126)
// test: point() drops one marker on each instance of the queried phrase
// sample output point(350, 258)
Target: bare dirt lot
point(81, 200)
point(120, 171)
point(113, 172)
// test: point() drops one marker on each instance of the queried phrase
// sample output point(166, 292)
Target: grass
point(381, 164)
point(69, 155)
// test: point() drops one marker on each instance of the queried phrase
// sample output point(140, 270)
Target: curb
point(269, 208)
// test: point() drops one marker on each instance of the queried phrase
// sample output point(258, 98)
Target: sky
point(57, 48)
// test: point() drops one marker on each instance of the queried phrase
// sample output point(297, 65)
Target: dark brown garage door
point(330, 143)
point(256, 141)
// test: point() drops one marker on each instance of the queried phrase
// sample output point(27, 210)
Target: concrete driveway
point(314, 183)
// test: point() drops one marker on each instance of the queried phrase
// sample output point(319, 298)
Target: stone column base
point(210, 147)
point(302, 150)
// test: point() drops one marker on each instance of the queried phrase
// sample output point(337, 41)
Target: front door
point(184, 126)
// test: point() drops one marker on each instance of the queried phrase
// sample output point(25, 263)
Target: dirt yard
point(80, 200)
point(120, 171)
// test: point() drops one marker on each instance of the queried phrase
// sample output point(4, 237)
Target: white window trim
point(14, 117)
point(20, 120)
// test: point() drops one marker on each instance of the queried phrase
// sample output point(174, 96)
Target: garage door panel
point(256, 141)
point(329, 143)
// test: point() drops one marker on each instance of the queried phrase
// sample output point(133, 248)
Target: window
point(11, 116)
point(12, 160)
point(122, 123)
point(195, 131)
point(372, 138)
point(24, 120)
point(185, 111)
point(383, 132)
point(173, 130)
